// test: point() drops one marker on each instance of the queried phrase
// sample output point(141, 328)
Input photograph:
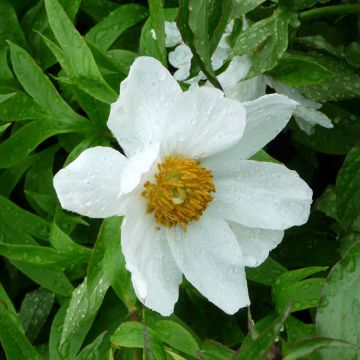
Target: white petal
point(180, 56)
point(265, 118)
point(237, 70)
point(247, 90)
point(202, 122)
point(182, 72)
point(138, 167)
point(91, 183)
point(256, 243)
point(292, 93)
point(262, 195)
point(221, 53)
point(137, 117)
point(173, 36)
point(154, 273)
point(209, 256)
point(307, 118)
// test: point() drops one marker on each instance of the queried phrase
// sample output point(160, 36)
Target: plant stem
point(345, 9)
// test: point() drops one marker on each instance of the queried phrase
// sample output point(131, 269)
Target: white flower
point(193, 204)
point(181, 57)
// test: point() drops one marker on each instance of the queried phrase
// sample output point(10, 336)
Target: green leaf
point(64, 244)
point(52, 280)
point(80, 314)
point(306, 347)
point(348, 192)
point(39, 87)
point(326, 203)
point(218, 14)
point(6, 302)
point(13, 340)
point(19, 107)
point(95, 349)
point(352, 53)
point(106, 31)
point(299, 70)
point(267, 40)
point(261, 346)
point(290, 288)
point(114, 262)
point(175, 335)
point(339, 308)
point(148, 45)
point(9, 25)
point(98, 9)
point(136, 335)
point(299, 4)
point(266, 273)
point(25, 140)
point(55, 332)
point(79, 57)
point(296, 330)
point(39, 256)
point(157, 21)
point(211, 350)
point(35, 310)
point(193, 25)
point(344, 84)
point(242, 7)
point(21, 222)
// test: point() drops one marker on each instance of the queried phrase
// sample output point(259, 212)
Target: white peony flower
point(192, 203)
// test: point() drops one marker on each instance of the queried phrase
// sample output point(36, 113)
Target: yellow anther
point(181, 192)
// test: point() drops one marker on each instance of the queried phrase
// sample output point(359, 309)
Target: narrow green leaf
point(52, 280)
point(106, 31)
point(80, 314)
point(35, 310)
point(41, 256)
point(18, 107)
point(25, 140)
point(260, 347)
point(157, 21)
point(13, 340)
point(148, 44)
point(38, 86)
point(193, 25)
point(219, 12)
point(6, 302)
point(10, 28)
point(339, 308)
point(78, 55)
point(21, 221)
point(95, 349)
point(55, 332)
point(176, 336)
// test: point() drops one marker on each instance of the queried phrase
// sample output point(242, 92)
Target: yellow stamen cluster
point(181, 193)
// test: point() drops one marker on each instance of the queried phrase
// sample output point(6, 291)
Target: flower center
point(181, 193)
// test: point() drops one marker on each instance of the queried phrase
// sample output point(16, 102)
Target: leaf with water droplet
point(340, 304)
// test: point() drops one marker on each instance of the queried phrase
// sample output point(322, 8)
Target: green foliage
point(65, 291)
